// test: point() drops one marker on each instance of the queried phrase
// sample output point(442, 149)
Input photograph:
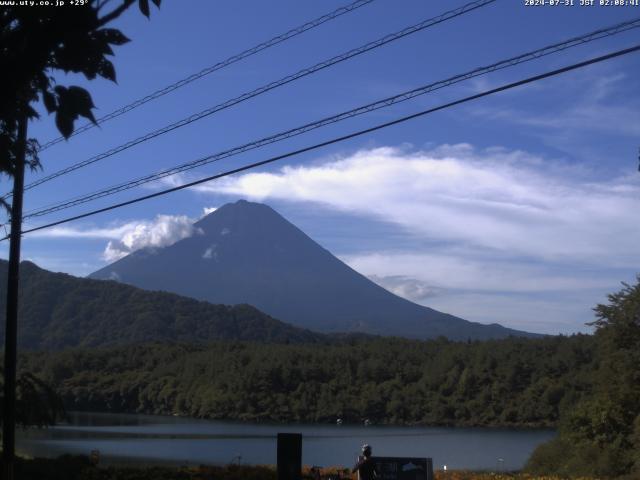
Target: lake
point(185, 441)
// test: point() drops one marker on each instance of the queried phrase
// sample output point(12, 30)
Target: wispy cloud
point(506, 201)
point(532, 297)
point(113, 232)
point(506, 236)
point(497, 228)
point(461, 269)
point(406, 287)
point(587, 103)
point(209, 210)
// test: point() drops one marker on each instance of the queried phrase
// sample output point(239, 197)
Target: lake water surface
point(184, 441)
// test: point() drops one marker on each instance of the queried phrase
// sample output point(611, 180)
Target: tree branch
point(101, 4)
point(115, 13)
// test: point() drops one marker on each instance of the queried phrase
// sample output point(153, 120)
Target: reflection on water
point(185, 441)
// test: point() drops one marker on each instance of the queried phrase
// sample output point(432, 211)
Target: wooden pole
point(11, 330)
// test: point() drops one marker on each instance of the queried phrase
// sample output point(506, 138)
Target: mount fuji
point(246, 252)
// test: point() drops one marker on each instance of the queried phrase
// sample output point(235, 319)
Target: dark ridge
point(58, 311)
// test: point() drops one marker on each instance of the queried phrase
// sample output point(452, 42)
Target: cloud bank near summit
point(163, 231)
point(126, 238)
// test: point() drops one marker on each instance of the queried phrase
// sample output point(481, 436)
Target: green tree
point(601, 435)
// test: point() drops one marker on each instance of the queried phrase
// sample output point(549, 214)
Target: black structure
point(289, 456)
point(11, 329)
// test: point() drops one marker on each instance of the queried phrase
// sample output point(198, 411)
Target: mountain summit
point(248, 253)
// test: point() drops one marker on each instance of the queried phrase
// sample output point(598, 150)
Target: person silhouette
point(365, 467)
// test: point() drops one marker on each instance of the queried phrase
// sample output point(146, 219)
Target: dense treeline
point(601, 435)
point(525, 382)
point(59, 310)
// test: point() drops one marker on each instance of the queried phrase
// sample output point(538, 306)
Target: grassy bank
point(80, 468)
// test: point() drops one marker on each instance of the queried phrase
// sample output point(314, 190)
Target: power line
point(526, 57)
point(218, 66)
point(266, 88)
point(397, 121)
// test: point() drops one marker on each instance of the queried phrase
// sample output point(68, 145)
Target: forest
point(513, 382)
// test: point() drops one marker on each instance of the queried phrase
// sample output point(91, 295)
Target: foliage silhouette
point(35, 42)
point(37, 403)
point(601, 435)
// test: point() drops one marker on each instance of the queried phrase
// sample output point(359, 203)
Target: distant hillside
point(59, 310)
point(247, 253)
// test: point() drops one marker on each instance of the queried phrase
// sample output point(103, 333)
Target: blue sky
point(519, 208)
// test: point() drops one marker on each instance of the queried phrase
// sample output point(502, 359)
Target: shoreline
point(273, 422)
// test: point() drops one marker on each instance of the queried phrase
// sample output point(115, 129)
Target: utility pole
point(11, 330)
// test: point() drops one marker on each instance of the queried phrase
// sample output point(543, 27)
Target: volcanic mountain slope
point(247, 253)
point(58, 311)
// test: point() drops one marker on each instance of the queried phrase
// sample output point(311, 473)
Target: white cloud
point(211, 252)
point(406, 287)
point(506, 201)
point(128, 237)
point(125, 238)
point(162, 231)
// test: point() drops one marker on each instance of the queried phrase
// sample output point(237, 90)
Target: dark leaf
point(31, 154)
point(49, 100)
point(113, 36)
point(64, 123)
point(157, 2)
point(71, 57)
point(31, 112)
point(42, 81)
point(81, 102)
point(99, 45)
point(72, 102)
point(106, 70)
point(106, 49)
point(144, 7)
